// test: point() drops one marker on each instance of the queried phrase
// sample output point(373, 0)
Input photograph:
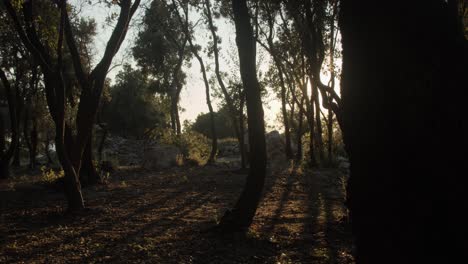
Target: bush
point(194, 146)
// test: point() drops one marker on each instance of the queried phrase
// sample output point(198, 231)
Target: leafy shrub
point(50, 175)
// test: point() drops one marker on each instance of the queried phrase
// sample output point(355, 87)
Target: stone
point(161, 157)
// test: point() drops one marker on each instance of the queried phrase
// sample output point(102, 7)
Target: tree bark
point(240, 218)
point(5, 157)
point(405, 130)
point(88, 172)
point(299, 131)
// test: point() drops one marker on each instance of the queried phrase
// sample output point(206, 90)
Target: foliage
point(134, 108)
point(194, 146)
point(49, 175)
point(223, 124)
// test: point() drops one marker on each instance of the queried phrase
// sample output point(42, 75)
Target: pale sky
point(193, 99)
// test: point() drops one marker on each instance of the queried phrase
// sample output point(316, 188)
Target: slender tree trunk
point(4, 168)
point(227, 97)
point(34, 141)
point(319, 125)
point(299, 131)
point(26, 134)
point(214, 139)
point(16, 162)
point(407, 190)
point(240, 218)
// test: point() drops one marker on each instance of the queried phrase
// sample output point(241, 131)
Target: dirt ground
point(166, 217)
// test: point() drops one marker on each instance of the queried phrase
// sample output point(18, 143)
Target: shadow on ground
point(164, 217)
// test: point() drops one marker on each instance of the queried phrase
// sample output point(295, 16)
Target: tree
point(161, 50)
point(70, 152)
point(5, 158)
point(405, 130)
point(134, 109)
point(223, 124)
point(184, 22)
point(240, 218)
point(236, 126)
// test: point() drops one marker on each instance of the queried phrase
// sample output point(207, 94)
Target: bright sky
point(193, 99)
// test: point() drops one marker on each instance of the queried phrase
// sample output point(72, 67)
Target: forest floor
point(165, 217)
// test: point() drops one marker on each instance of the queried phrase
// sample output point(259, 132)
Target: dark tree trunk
point(4, 168)
point(330, 136)
point(240, 218)
point(227, 97)
point(33, 151)
point(404, 124)
point(5, 157)
point(88, 172)
point(16, 162)
point(299, 131)
point(102, 141)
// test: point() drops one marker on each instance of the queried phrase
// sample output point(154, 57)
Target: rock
point(161, 157)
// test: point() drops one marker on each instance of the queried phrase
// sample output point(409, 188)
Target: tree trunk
point(5, 157)
point(88, 172)
point(404, 127)
point(33, 151)
point(4, 168)
point(227, 97)
point(16, 162)
point(299, 131)
point(240, 218)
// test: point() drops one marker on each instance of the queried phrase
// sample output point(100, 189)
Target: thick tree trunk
point(240, 218)
point(405, 132)
point(5, 157)
point(88, 172)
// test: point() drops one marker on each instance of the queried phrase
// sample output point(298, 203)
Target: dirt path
point(162, 217)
